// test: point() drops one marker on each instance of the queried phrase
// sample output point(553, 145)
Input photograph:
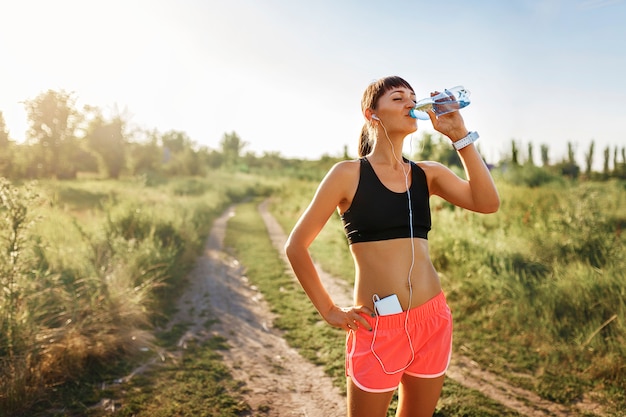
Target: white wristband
point(467, 140)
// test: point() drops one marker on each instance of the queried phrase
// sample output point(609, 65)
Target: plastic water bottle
point(451, 99)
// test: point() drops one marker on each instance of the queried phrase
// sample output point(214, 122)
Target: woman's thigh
point(417, 397)
point(367, 404)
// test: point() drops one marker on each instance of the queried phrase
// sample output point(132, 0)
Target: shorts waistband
point(416, 314)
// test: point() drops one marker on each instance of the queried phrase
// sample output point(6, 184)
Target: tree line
point(63, 141)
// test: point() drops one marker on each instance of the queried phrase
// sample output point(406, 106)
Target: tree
point(180, 154)
point(176, 141)
point(568, 167)
point(5, 148)
point(4, 133)
point(146, 157)
point(589, 158)
point(530, 160)
point(106, 138)
point(514, 153)
point(232, 146)
point(212, 158)
point(570, 153)
point(53, 120)
point(605, 167)
point(545, 160)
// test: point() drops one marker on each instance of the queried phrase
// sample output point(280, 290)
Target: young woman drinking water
point(399, 330)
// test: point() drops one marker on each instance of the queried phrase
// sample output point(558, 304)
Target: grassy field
point(91, 267)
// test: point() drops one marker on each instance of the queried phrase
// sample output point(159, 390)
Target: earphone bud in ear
point(375, 117)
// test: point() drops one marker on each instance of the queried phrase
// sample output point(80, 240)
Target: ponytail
point(365, 144)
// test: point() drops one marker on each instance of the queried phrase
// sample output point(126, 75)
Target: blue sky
point(287, 76)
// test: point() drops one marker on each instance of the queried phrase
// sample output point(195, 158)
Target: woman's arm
point(332, 191)
point(478, 191)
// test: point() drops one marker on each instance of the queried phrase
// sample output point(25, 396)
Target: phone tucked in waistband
point(388, 305)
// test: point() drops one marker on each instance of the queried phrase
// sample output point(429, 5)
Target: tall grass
point(14, 336)
point(90, 267)
point(538, 290)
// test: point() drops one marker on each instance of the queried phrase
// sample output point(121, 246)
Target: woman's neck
point(383, 152)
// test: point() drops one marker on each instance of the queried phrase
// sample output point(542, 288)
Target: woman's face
point(393, 110)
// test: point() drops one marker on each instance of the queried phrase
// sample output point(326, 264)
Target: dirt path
point(278, 378)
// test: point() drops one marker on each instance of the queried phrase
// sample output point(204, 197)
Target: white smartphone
point(388, 305)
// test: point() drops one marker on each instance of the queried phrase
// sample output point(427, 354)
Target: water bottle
point(451, 99)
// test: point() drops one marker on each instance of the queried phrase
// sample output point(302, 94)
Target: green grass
point(196, 384)
point(537, 291)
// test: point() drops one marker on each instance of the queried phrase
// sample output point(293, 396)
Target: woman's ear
point(369, 115)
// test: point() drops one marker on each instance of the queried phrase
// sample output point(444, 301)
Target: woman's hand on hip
point(349, 318)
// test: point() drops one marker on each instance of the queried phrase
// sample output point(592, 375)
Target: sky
point(287, 76)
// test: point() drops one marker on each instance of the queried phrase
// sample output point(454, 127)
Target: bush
point(528, 175)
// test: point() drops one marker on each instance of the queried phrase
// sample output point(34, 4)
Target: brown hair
point(372, 93)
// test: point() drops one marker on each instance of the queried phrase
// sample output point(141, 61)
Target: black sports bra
point(377, 213)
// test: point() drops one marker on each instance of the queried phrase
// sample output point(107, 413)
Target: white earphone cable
point(406, 317)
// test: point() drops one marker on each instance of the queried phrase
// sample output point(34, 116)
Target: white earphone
point(410, 285)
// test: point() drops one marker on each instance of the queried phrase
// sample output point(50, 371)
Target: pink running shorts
point(430, 328)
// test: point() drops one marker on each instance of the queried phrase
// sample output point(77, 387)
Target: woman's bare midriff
point(382, 268)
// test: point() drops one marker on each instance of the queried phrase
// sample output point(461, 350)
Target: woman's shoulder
point(347, 167)
point(350, 162)
point(340, 182)
point(436, 173)
point(432, 167)
point(343, 173)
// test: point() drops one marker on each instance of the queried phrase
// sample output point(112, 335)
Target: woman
point(383, 202)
